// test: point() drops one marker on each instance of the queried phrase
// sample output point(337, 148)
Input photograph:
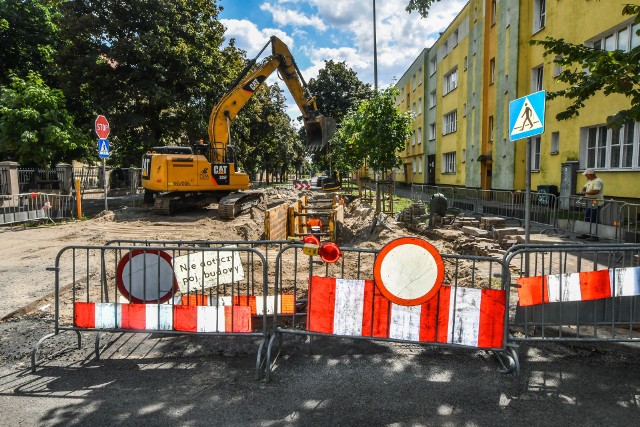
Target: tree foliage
point(421, 6)
point(29, 39)
point(154, 69)
point(373, 133)
point(338, 91)
point(35, 128)
point(587, 71)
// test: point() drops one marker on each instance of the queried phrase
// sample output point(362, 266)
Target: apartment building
point(483, 61)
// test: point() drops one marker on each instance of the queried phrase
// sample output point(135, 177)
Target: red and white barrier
point(301, 186)
point(583, 286)
point(464, 316)
point(255, 302)
point(162, 317)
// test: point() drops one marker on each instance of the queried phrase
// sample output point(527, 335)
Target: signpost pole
point(104, 175)
point(527, 204)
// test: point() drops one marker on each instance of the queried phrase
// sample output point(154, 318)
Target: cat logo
point(204, 174)
point(220, 169)
point(254, 84)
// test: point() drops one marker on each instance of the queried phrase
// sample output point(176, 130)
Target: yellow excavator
point(177, 178)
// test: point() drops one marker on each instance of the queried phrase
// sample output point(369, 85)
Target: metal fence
point(442, 321)
point(30, 207)
point(617, 220)
point(575, 293)
point(40, 179)
point(174, 290)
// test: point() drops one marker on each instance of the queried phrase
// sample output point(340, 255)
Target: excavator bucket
point(319, 132)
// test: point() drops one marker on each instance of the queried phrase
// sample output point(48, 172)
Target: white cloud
point(250, 38)
point(284, 16)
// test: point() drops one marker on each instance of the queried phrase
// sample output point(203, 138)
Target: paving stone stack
point(414, 214)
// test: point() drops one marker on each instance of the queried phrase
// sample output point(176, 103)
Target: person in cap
point(593, 191)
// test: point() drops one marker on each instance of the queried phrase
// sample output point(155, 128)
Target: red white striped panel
point(257, 303)
point(464, 316)
point(163, 317)
point(583, 286)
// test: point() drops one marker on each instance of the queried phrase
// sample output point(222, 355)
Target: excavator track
point(237, 203)
point(173, 203)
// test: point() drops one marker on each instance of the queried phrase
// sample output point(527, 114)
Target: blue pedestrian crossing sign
point(103, 148)
point(526, 116)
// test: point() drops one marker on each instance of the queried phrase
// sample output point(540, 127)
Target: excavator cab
point(319, 132)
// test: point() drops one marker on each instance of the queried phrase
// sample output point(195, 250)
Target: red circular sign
point(102, 127)
point(408, 271)
point(146, 276)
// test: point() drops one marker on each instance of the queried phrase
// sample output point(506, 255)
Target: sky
point(340, 30)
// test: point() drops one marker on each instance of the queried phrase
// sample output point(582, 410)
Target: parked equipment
point(180, 178)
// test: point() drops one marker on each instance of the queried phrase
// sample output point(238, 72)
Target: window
point(506, 83)
point(419, 76)
point(413, 138)
point(635, 38)
point(449, 162)
point(413, 82)
point(413, 107)
point(466, 63)
point(420, 164)
point(464, 110)
point(491, 134)
point(450, 122)
point(432, 131)
point(455, 38)
point(536, 142)
point(539, 15)
point(622, 147)
point(493, 12)
point(555, 143)
point(432, 66)
point(446, 47)
point(537, 76)
point(402, 93)
point(450, 81)
point(413, 165)
point(625, 39)
point(492, 71)
point(419, 105)
point(419, 136)
point(432, 99)
point(603, 148)
point(557, 68)
point(507, 18)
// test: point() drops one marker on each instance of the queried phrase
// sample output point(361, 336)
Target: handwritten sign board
point(207, 269)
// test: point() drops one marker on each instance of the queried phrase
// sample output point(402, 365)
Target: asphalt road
point(144, 379)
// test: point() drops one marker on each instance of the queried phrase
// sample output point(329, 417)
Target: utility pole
point(375, 49)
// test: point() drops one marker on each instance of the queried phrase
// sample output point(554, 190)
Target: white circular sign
point(146, 276)
point(409, 271)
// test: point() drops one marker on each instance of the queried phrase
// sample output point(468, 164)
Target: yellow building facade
point(481, 63)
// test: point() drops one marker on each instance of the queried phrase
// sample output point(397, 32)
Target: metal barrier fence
point(134, 289)
point(22, 208)
point(122, 181)
point(575, 293)
point(617, 220)
point(342, 300)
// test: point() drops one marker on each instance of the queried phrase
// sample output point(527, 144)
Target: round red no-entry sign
point(102, 127)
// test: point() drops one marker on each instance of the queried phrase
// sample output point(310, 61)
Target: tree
point(587, 71)
point(35, 128)
point(374, 133)
point(29, 38)
point(155, 69)
point(338, 90)
point(421, 6)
